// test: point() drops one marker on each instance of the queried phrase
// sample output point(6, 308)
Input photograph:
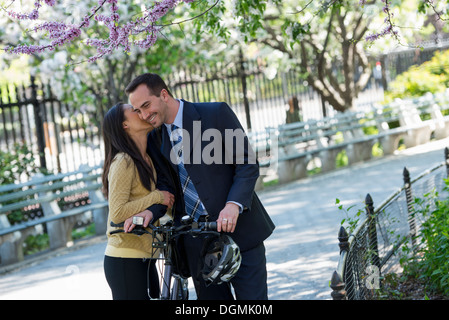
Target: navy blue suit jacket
point(216, 183)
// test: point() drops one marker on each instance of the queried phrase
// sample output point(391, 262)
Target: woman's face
point(133, 124)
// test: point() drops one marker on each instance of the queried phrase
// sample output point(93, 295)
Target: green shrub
point(415, 82)
point(13, 165)
point(83, 232)
point(342, 159)
point(429, 260)
point(431, 76)
point(36, 243)
point(425, 265)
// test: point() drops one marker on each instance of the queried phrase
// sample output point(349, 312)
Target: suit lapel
point(189, 116)
point(166, 146)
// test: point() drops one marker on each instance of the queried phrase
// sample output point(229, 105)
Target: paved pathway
point(302, 253)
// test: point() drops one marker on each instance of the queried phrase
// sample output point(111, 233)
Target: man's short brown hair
point(153, 82)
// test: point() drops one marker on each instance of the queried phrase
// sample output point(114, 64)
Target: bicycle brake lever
point(152, 227)
point(138, 230)
point(117, 225)
point(116, 231)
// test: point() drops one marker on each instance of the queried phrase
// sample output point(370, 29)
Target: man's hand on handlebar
point(227, 219)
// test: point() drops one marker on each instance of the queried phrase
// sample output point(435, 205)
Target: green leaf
point(438, 271)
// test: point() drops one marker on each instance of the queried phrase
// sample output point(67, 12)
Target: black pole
point(244, 89)
point(372, 231)
point(39, 124)
point(409, 199)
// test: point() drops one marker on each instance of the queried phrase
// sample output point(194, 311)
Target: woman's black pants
point(130, 279)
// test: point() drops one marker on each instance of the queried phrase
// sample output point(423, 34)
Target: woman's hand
point(169, 199)
point(147, 217)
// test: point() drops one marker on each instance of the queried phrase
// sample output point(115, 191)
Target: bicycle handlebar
point(188, 227)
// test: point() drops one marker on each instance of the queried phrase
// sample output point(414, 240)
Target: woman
point(129, 181)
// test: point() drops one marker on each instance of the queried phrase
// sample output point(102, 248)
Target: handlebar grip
point(212, 226)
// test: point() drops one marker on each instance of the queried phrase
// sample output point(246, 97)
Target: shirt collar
point(178, 118)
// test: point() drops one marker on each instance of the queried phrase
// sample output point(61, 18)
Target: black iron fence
point(258, 94)
point(258, 98)
point(372, 248)
point(62, 138)
point(395, 63)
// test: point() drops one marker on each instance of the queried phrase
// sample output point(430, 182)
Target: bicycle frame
point(179, 289)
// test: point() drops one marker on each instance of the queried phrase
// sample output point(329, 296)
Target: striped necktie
point(193, 204)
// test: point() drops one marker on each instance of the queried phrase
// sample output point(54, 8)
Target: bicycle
point(164, 238)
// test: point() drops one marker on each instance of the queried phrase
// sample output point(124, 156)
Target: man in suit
point(223, 170)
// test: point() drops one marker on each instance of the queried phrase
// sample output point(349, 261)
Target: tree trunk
point(331, 65)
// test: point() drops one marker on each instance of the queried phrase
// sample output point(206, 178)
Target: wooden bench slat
point(47, 198)
point(64, 214)
point(59, 176)
point(47, 187)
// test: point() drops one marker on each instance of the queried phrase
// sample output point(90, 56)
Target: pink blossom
point(119, 31)
point(34, 14)
point(27, 49)
point(148, 42)
point(387, 30)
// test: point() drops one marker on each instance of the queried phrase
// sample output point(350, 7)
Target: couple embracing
point(158, 156)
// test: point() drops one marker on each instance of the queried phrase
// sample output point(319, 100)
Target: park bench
point(442, 115)
point(298, 143)
point(431, 108)
point(442, 99)
point(419, 119)
point(419, 131)
point(389, 131)
point(260, 142)
point(47, 193)
point(412, 121)
point(325, 139)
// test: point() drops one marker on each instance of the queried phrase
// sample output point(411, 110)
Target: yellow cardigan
point(127, 197)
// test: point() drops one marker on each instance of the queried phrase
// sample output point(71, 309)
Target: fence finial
point(338, 287)
point(406, 175)
point(343, 239)
point(369, 204)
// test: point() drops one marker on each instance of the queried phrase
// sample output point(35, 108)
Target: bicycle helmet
point(221, 259)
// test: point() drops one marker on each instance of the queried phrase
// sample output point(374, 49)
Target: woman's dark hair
point(117, 140)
